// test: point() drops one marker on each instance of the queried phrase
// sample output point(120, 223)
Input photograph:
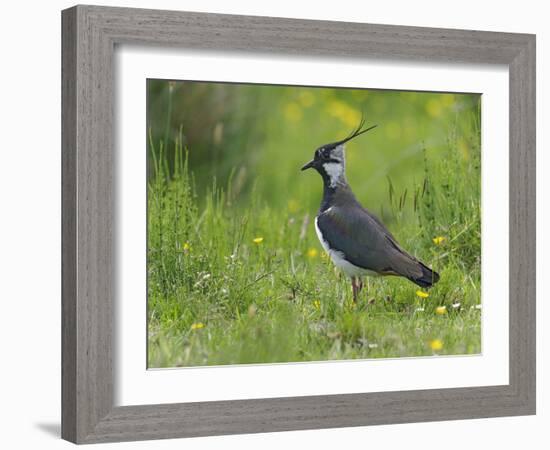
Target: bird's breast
point(339, 258)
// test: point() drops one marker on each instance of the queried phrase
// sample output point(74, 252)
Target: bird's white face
point(330, 159)
point(330, 162)
point(335, 172)
point(335, 166)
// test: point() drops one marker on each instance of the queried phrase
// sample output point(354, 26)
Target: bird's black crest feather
point(359, 130)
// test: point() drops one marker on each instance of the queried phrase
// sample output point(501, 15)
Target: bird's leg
point(360, 284)
point(355, 288)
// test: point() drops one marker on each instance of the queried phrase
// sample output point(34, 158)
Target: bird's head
point(330, 161)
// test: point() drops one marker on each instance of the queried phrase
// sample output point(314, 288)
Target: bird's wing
point(365, 242)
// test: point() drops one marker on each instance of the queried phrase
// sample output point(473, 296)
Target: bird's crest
point(356, 132)
point(336, 149)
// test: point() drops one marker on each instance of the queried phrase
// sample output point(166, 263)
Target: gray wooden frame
point(90, 34)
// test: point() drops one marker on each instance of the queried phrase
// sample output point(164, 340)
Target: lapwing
point(355, 239)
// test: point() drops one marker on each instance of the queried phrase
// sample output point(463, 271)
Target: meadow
point(236, 274)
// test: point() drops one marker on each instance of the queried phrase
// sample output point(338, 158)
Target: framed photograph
point(265, 229)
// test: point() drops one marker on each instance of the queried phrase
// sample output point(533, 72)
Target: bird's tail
point(429, 277)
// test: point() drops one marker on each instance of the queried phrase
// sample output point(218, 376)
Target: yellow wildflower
point(317, 304)
point(441, 310)
point(422, 294)
point(436, 344)
point(186, 247)
point(258, 240)
point(312, 253)
point(197, 326)
point(438, 240)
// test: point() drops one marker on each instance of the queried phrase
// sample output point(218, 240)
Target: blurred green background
point(260, 136)
point(235, 271)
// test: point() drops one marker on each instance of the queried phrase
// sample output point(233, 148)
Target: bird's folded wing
point(365, 242)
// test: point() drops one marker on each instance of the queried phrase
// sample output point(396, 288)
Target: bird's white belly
point(339, 261)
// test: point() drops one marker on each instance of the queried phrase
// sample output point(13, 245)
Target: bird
point(356, 240)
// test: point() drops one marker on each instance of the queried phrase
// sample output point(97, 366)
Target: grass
point(235, 282)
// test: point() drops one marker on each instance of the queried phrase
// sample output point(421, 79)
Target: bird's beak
point(309, 165)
